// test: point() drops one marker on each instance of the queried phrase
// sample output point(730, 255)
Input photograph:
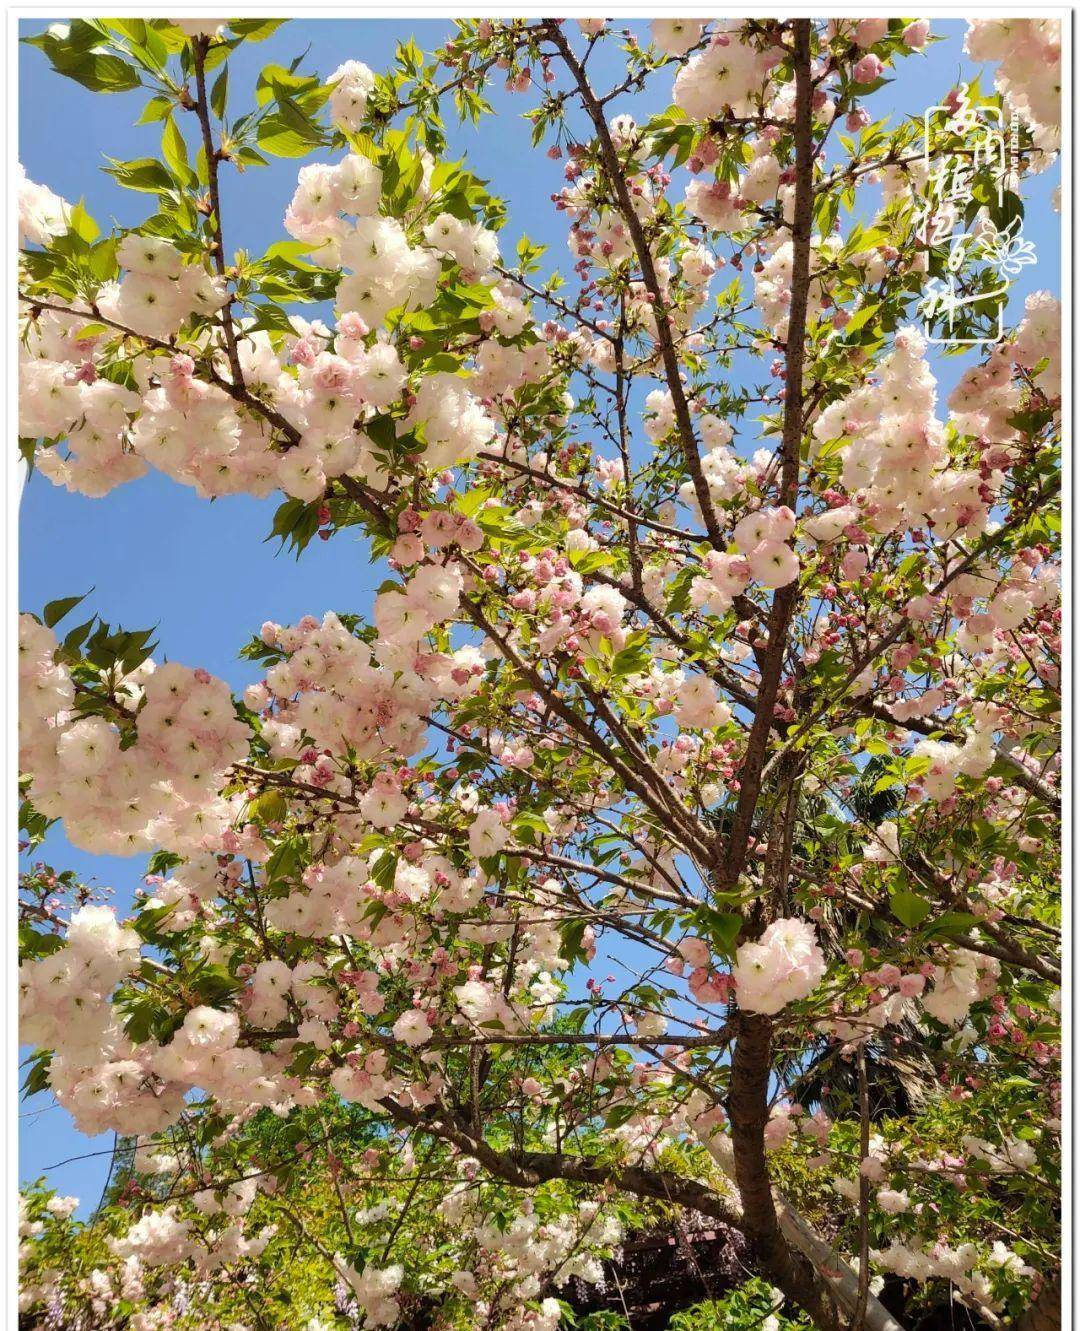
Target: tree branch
point(617, 178)
point(202, 107)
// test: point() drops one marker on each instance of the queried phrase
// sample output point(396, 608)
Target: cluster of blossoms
point(159, 291)
point(43, 215)
point(988, 396)
point(100, 1076)
point(896, 465)
point(772, 284)
point(120, 797)
point(533, 1245)
point(956, 1265)
point(783, 966)
point(729, 75)
point(374, 1289)
point(1027, 53)
point(162, 1238)
point(967, 978)
point(43, 1286)
point(332, 692)
point(324, 384)
point(352, 84)
point(105, 1079)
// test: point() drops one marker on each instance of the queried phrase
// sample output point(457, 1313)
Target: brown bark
point(202, 108)
point(747, 1108)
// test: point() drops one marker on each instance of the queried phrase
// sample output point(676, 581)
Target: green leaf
point(276, 81)
point(722, 928)
point(249, 157)
point(284, 134)
point(55, 611)
point(295, 522)
point(470, 501)
point(33, 823)
point(255, 29)
point(293, 250)
point(69, 648)
point(572, 947)
point(630, 661)
point(101, 260)
point(219, 93)
point(82, 224)
point(269, 807)
point(174, 150)
point(35, 944)
point(98, 72)
point(620, 1114)
point(144, 173)
point(157, 108)
point(37, 1079)
point(860, 317)
point(909, 908)
point(952, 922)
point(383, 872)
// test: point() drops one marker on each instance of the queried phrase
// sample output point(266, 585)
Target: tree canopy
point(672, 850)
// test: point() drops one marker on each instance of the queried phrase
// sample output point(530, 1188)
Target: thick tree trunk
point(779, 1260)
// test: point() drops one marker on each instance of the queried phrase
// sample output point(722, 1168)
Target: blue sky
point(156, 554)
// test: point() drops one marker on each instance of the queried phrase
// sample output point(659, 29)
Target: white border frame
point(12, 472)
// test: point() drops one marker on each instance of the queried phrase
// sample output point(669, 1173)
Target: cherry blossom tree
point(674, 844)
